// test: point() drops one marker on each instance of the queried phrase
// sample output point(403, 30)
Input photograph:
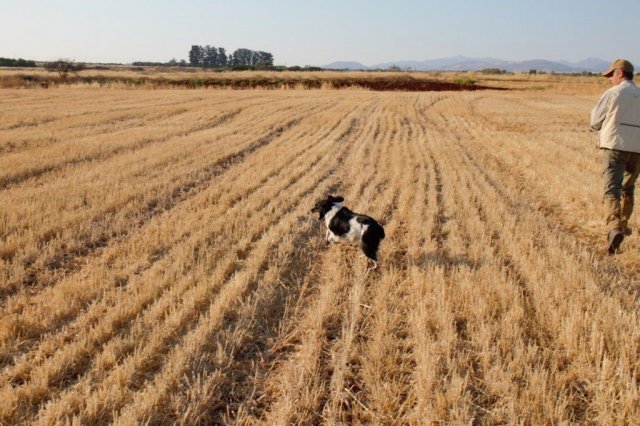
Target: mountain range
point(463, 63)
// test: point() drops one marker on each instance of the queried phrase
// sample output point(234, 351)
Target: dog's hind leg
point(371, 252)
point(369, 246)
point(374, 265)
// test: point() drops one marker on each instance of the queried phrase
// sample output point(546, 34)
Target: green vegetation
point(9, 62)
point(241, 59)
point(493, 71)
point(171, 63)
point(464, 80)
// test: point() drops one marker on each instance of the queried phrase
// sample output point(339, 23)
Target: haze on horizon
point(298, 33)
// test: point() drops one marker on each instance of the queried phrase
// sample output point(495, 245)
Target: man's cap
point(622, 64)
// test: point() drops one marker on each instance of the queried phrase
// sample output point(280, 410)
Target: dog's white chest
point(331, 213)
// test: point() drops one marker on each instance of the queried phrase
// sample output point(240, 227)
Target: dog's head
point(326, 204)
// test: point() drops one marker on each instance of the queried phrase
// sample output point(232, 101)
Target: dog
point(345, 225)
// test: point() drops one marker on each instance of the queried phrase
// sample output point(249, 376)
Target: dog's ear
point(337, 199)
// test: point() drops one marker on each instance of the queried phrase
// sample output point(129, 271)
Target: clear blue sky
point(298, 32)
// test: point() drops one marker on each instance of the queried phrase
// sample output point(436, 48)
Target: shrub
point(465, 80)
point(493, 71)
point(63, 67)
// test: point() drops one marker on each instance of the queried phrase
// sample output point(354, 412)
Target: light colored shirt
point(617, 116)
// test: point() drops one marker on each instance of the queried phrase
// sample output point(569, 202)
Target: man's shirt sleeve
point(599, 112)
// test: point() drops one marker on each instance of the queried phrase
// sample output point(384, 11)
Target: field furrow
point(159, 262)
point(117, 216)
point(220, 200)
point(525, 236)
point(306, 382)
point(197, 292)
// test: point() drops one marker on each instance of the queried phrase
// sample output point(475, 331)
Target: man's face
point(617, 77)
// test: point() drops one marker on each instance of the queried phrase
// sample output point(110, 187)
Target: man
point(617, 117)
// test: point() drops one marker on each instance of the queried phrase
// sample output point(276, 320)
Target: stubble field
point(159, 262)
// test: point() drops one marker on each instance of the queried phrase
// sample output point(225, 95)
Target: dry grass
point(159, 263)
point(150, 78)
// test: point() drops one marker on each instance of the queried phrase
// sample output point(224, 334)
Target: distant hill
point(346, 65)
point(539, 65)
point(590, 64)
point(462, 63)
point(451, 63)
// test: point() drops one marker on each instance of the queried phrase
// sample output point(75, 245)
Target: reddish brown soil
point(410, 85)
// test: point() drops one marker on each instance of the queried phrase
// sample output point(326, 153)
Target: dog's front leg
point(331, 237)
point(327, 237)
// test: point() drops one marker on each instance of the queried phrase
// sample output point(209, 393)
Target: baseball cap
point(622, 64)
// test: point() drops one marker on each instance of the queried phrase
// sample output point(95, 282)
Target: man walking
point(617, 117)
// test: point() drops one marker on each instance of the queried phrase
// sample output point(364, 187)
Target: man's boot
point(626, 210)
point(616, 235)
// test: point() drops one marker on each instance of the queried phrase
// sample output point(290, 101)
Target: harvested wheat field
point(159, 262)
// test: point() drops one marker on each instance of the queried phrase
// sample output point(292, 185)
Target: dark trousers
point(621, 170)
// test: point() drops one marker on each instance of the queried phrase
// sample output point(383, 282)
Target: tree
point(210, 57)
point(9, 62)
point(242, 58)
point(196, 56)
point(262, 59)
point(222, 57)
point(63, 67)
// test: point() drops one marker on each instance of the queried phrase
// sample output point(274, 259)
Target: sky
point(303, 33)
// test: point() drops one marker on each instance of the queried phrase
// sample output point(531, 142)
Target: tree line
point(216, 57)
point(9, 62)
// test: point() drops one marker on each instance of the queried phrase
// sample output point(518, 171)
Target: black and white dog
point(345, 225)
